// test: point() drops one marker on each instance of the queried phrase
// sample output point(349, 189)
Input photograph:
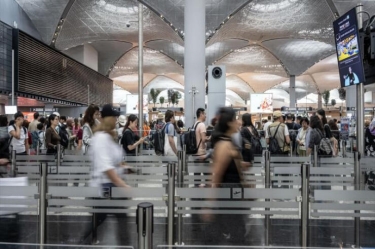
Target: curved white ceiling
point(261, 43)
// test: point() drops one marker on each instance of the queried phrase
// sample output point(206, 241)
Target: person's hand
point(202, 157)
point(141, 140)
point(245, 165)
point(4, 161)
point(19, 122)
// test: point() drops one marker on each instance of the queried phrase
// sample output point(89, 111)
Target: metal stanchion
point(291, 148)
point(267, 182)
point(42, 203)
point(357, 186)
point(13, 166)
point(37, 149)
point(58, 163)
point(184, 160)
point(145, 225)
point(136, 151)
point(171, 193)
point(180, 181)
point(305, 175)
point(316, 148)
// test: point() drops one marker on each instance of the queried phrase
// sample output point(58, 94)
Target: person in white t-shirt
point(106, 155)
point(269, 121)
point(200, 131)
point(19, 135)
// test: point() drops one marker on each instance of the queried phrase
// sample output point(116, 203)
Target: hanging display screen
point(348, 49)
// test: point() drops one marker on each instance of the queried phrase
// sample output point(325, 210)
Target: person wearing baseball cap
point(107, 156)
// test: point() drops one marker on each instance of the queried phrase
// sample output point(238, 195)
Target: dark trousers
point(99, 218)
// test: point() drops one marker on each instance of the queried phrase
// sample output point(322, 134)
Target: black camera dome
point(217, 72)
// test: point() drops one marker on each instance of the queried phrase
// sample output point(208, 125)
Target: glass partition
point(38, 246)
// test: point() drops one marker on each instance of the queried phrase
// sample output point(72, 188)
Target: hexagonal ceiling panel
point(217, 11)
point(173, 50)
point(45, 14)
point(345, 5)
point(106, 20)
point(252, 59)
point(220, 49)
point(298, 55)
point(261, 82)
point(154, 62)
point(109, 52)
point(269, 19)
point(239, 86)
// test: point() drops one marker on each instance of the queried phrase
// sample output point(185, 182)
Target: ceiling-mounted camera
point(217, 72)
point(127, 24)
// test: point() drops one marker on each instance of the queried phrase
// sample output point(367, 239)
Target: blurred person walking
point(227, 173)
point(107, 157)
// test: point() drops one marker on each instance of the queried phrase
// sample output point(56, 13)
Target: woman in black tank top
point(227, 173)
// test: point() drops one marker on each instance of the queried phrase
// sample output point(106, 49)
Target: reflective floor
point(76, 230)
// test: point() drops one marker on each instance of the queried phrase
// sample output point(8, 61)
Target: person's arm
point(267, 136)
point(201, 128)
point(15, 133)
point(311, 144)
point(221, 160)
point(298, 139)
point(79, 146)
point(287, 137)
point(172, 144)
point(86, 137)
point(27, 145)
point(115, 178)
point(49, 143)
point(127, 140)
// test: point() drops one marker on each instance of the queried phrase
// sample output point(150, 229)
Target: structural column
point(319, 100)
point(194, 63)
point(292, 91)
point(360, 98)
point(140, 69)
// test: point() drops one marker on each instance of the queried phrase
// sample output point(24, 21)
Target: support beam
point(292, 91)
point(140, 69)
point(195, 60)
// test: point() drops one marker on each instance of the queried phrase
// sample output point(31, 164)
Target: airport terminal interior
point(187, 123)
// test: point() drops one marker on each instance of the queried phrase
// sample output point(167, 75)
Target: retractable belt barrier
point(273, 187)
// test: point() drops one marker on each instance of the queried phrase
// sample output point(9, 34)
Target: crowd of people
point(229, 142)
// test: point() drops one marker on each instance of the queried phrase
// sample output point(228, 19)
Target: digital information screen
point(347, 47)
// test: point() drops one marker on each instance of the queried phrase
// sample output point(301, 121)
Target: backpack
point(63, 133)
point(159, 141)
point(4, 147)
point(190, 140)
point(35, 139)
point(273, 145)
point(255, 143)
point(325, 147)
point(293, 133)
point(370, 180)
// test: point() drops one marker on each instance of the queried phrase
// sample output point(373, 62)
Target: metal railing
point(181, 200)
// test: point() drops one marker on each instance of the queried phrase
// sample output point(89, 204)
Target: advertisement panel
point(261, 103)
point(348, 49)
point(132, 104)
